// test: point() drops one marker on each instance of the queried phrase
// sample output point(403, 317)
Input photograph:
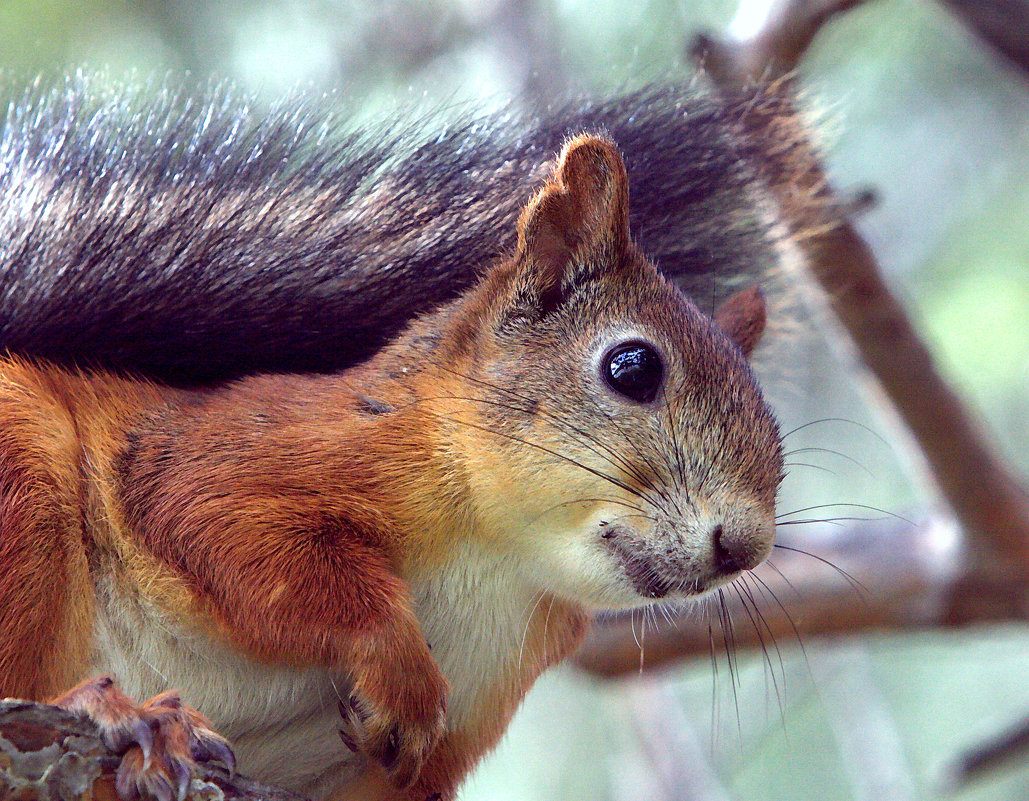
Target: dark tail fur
point(197, 241)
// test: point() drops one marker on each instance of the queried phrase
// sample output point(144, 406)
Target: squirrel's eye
point(633, 369)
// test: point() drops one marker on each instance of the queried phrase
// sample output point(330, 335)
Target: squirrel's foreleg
point(311, 592)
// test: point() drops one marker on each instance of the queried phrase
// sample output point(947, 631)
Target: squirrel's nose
point(725, 558)
point(734, 553)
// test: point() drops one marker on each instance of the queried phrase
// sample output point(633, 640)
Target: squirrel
point(198, 241)
point(372, 550)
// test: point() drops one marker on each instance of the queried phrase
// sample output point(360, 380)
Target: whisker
point(858, 587)
point(822, 468)
point(617, 482)
point(831, 521)
point(528, 620)
point(762, 591)
point(768, 592)
point(847, 505)
point(666, 613)
point(781, 575)
point(760, 625)
point(841, 455)
point(822, 420)
point(729, 641)
point(643, 637)
point(632, 627)
point(546, 623)
point(714, 669)
point(611, 501)
point(834, 520)
point(586, 440)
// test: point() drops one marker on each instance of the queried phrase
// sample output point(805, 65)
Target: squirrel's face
point(633, 456)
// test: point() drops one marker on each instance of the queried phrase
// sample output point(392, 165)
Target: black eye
point(633, 369)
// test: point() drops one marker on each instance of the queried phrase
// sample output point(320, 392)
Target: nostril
point(725, 560)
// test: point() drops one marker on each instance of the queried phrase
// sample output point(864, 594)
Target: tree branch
point(1002, 24)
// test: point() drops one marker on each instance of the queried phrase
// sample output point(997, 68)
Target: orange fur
point(44, 584)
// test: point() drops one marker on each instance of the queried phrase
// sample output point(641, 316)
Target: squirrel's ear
point(742, 318)
point(582, 209)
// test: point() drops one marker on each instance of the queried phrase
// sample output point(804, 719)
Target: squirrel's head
point(612, 435)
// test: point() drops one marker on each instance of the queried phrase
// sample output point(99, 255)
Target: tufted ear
point(581, 212)
point(742, 318)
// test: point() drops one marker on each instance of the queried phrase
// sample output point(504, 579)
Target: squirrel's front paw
point(160, 740)
point(398, 726)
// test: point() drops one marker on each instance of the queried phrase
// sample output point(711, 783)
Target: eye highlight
point(633, 369)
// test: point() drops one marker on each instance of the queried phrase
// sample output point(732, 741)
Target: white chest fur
point(282, 722)
point(475, 615)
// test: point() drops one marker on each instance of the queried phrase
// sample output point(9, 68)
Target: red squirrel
point(345, 572)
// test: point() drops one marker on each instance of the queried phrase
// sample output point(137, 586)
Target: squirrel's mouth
point(641, 570)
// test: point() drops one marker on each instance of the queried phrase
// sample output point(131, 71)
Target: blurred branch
point(678, 766)
point(770, 48)
point(999, 751)
point(1002, 24)
point(520, 32)
point(989, 501)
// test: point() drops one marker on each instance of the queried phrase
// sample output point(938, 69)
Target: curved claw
point(348, 741)
point(143, 736)
point(208, 749)
point(183, 777)
point(131, 782)
point(125, 782)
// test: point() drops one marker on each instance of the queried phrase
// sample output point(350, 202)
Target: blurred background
point(905, 101)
